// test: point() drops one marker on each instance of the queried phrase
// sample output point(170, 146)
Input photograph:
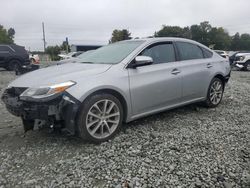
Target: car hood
point(58, 74)
point(61, 62)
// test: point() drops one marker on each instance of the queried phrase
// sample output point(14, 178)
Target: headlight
point(242, 58)
point(46, 91)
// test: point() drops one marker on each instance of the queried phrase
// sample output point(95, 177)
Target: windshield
point(84, 54)
point(112, 53)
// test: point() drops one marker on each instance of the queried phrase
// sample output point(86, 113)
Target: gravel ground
point(187, 147)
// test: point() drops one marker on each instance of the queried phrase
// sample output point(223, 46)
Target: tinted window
point(189, 51)
point(207, 53)
point(161, 53)
point(4, 49)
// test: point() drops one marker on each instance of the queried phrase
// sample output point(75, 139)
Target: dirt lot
point(188, 147)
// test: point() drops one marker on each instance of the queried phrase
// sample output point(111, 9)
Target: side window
point(4, 49)
point(207, 53)
point(189, 51)
point(160, 53)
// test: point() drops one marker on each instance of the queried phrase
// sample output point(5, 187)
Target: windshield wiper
point(87, 62)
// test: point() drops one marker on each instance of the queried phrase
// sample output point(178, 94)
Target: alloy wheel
point(102, 119)
point(216, 92)
point(248, 67)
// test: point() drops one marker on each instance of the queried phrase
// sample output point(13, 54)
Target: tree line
point(6, 36)
point(205, 33)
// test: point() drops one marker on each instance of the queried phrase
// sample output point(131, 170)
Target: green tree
point(6, 37)
point(200, 33)
point(219, 38)
point(119, 35)
point(235, 44)
point(53, 52)
point(203, 33)
point(173, 31)
point(245, 42)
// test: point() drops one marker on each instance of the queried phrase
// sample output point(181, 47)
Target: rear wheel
point(100, 118)
point(215, 93)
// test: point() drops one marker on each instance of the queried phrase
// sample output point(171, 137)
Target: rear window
point(207, 53)
point(188, 51)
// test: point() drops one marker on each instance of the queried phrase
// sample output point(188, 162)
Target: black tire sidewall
point(82, 115)
point(13, 65)
point(247, 63)
point(208, 100)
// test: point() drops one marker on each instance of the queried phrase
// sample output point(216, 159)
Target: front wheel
point(247, 66)
point(215, 93)
point(100, 118)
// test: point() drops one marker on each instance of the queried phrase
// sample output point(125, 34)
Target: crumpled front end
point(57, 111)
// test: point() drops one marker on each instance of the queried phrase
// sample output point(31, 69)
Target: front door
point(158, 85)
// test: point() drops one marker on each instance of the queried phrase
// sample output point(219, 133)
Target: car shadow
point(56, 136)
point(166, 114)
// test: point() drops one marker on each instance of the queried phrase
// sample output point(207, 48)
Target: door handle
point(209, 65)
point(175, 71)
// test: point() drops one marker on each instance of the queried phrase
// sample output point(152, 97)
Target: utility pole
point(67, 45)
point(44, 41)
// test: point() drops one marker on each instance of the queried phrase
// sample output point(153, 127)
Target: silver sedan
point(118, 83)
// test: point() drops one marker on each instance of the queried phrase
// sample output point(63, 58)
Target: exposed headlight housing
point(242, 58)
point(46, 91)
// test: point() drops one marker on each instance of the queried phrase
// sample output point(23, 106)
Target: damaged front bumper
point(59, 110)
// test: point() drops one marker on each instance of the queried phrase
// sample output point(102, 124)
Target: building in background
point(83, 48)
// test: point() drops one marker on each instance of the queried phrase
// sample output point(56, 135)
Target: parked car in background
point(13, 56)
point(70, 55)
point(242, 61)
point(222, 53)
point(231, 56)
point(34, 58)
point(118, 83)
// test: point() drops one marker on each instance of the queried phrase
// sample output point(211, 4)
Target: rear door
point(4, 53)
point(195, 68)
point(155, 86)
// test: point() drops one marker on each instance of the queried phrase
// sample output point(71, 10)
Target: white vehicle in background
point(242, 61)
point(222, 53)
point(73, 59)
point(34, 59)
point(70, 55)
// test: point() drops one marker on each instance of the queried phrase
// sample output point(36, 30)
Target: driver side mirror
point(141, 61)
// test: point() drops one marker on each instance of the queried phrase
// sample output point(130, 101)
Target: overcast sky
point(92, 21)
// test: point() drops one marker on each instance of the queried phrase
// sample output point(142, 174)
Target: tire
point(99, 118)
point(28, 124)
point(13, 65)
point(215, 93)
point(247, 66)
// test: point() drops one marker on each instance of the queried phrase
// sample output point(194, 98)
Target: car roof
point(165, 39)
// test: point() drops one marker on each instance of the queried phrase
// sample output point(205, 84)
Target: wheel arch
point(115, 93)
point(222, 78)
